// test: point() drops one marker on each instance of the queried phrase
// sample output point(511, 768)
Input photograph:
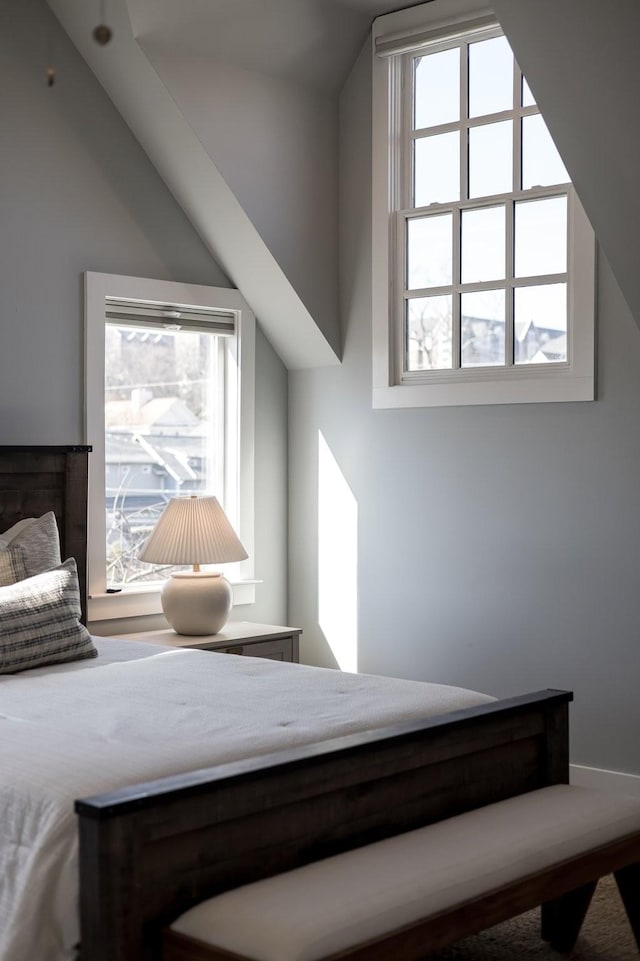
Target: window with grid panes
point(485, 232)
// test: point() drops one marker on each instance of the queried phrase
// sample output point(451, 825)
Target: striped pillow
point(13, 565)
point(40, 621)
point(28, 548)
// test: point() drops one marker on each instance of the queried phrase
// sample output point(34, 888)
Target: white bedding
point(139, 712)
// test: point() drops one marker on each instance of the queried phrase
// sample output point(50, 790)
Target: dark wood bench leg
point(628, 881)
point(562, 918)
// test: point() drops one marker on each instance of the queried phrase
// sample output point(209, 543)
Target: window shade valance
point(392, 44)
point(170, 316)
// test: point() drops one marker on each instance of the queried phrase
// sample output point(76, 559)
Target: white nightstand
point(238, 637)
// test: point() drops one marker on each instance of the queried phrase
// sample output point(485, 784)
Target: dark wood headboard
point(34, 480)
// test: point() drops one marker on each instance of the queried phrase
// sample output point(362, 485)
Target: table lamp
point(194, 530)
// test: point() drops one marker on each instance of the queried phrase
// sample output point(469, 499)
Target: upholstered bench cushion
point(330, 905)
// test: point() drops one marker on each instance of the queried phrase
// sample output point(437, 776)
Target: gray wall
point(77, 193)
point(498, 547)
point(581, 59)
point(275, 144)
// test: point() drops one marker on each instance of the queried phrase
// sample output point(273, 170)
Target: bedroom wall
point(591, 55)
point(275, 143)
point(489, 547)
point(77, 193)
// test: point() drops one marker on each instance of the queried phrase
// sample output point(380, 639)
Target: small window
point(483, 257)
point(169, 411)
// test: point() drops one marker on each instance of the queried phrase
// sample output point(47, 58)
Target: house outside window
point(169, 412)
point(484, 261)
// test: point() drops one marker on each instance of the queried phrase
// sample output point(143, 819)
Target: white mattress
point(139, 712)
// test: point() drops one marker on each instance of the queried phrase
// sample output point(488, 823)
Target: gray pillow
point(40, 621)
point(33, 549)
point(13, 565)
point(7, 536)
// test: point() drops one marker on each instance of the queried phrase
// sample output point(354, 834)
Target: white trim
point(406, 29)
point(615, 782)
point(529, 391)
point(98, 286)
point(391, 388)
point(142, 602)
point(414, 39)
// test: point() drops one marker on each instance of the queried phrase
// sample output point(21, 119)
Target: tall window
point(166, 373)
point(165, 370)
point(489, 257)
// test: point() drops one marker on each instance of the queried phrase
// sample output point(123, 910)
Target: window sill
point(527, 390)
point(144, 601)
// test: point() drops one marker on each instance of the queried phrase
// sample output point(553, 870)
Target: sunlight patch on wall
point(337, 560)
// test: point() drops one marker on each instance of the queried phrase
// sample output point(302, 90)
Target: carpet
point(605, 936)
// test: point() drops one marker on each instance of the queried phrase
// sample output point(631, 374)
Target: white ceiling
point(314, 42)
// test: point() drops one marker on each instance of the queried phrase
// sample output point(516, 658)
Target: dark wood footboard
point(150, 851)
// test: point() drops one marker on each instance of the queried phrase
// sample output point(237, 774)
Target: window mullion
point(401, 330)
point(539, 280)
point(404, 104)
point(509, 339)
point(456, 312)
point(464, 130)
point(400, 180)
point(492, 200)
point(405, 101)
point(509, 332)
point(517, 130)
point(457, 216)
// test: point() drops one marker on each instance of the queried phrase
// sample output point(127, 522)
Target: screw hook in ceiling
point(102, 34)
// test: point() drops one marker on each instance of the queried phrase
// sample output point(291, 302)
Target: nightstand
point(238, 637)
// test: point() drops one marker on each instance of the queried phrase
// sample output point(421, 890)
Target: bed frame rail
point(149, 852)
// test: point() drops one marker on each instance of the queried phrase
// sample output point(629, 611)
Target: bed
point(183, 799)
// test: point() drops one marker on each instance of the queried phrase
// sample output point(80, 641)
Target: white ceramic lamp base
point(197, 602)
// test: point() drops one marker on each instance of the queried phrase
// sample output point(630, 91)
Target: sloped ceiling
point(236, 104)
point(288, 39)
point(581, 60)
point(310, 42)
point(235, 101)
point(302, 338)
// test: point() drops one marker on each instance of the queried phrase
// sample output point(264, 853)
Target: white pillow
point(40, 621)
point(32, 547)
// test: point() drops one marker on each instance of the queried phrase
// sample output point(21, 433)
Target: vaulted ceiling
point(313, 42)
point(236, 104)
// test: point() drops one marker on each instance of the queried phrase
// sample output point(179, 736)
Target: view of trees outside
point(159, 435)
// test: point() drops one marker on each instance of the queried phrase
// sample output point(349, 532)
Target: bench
point(404, 897)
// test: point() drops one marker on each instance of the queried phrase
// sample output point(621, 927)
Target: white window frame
point(138, 600)
point(393, 35)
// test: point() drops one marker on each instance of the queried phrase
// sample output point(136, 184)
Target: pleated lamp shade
point(194, 530)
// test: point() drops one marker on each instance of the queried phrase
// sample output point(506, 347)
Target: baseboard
point(616, 782)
